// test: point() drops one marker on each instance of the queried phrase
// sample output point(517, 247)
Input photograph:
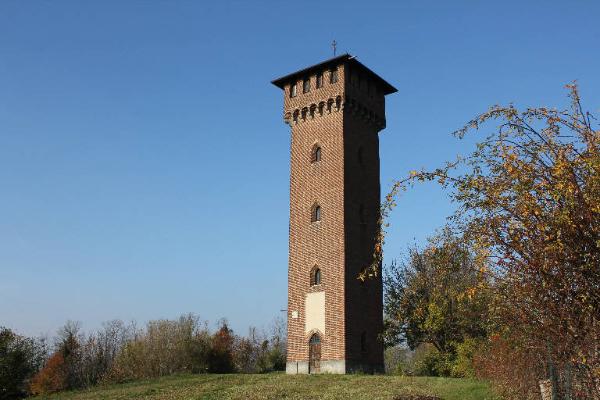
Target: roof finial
point(334, 45)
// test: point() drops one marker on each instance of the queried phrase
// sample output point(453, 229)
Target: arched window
point(315, 339)
point(315, 276)
point(316, 213)
point(316, 154)
point(363, 341)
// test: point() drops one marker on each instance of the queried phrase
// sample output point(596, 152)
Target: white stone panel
point(315, 312)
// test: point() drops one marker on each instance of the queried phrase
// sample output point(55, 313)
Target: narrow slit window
point(316, 213)
point(306, 86)
point(293, 90)
point(319, 80)
point(333, 76)
point(315, 276)
point(316, 154)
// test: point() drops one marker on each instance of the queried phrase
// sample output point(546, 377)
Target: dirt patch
point(415, 397)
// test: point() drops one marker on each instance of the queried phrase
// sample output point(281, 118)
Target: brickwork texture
point(343, 119)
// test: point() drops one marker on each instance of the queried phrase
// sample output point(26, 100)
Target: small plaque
point(294, 314)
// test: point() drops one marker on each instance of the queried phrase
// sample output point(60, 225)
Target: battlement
point(335, 110)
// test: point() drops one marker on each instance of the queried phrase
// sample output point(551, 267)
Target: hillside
point(280, 386)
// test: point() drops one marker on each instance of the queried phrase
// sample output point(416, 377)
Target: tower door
point(314, 354)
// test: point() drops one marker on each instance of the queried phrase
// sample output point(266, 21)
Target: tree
point(530, 196)
point(69, 346)
point(221, 354)
point(439, 295)
point(52, 378)
point(20, 358)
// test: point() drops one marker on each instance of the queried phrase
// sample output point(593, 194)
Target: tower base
point(333, 367)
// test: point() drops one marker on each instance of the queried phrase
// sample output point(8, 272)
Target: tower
point(335, 110)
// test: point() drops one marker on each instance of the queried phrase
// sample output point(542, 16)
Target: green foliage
point(439, 296)
point(396, 360)
point(429, 361)
point(426, 360)
point(465, 352)
point(20, 358)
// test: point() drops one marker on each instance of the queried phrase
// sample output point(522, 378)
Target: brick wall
point(319, 243)
point(346, 187)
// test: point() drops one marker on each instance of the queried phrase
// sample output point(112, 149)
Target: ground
point(278, 386)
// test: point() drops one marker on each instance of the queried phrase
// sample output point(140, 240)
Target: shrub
point(20, 358)
point(220, 359)
point(397, 360)
point(514, 370)
point(165, 347)
point(462, 367)
point(428, 361)
point(52, 378)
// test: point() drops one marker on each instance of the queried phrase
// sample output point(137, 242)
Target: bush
point(165, 347)
point(119, 353)
point(52, 378)
point(462, 367)
point(397, 360)
point(220, 357)
point(428, 361)
point(514, 370)
point(20, 358)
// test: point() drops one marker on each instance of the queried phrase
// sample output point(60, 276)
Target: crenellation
point(334, 123)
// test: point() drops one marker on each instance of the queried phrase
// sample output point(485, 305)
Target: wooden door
point(314, 354)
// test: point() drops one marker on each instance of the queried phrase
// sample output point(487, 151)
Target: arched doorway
point(314, 354)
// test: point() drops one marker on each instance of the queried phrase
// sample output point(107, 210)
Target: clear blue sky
point(144, 160)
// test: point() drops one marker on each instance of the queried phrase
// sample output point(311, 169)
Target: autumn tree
point(530, 196)
point(52, 377)
point(221, 353)
point(438, 295)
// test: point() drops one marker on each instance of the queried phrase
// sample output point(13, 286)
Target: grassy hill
point(280, 386)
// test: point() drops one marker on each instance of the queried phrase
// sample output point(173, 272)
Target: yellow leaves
point(471, 293)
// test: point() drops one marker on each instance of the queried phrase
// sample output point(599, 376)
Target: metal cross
point(334, 45)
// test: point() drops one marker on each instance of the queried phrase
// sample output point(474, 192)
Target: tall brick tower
point(336, 110)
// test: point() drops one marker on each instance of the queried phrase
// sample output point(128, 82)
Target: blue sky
point(144, 160)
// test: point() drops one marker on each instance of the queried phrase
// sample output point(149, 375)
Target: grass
point(278, 386)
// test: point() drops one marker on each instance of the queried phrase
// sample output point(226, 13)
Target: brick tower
point(336, 110)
